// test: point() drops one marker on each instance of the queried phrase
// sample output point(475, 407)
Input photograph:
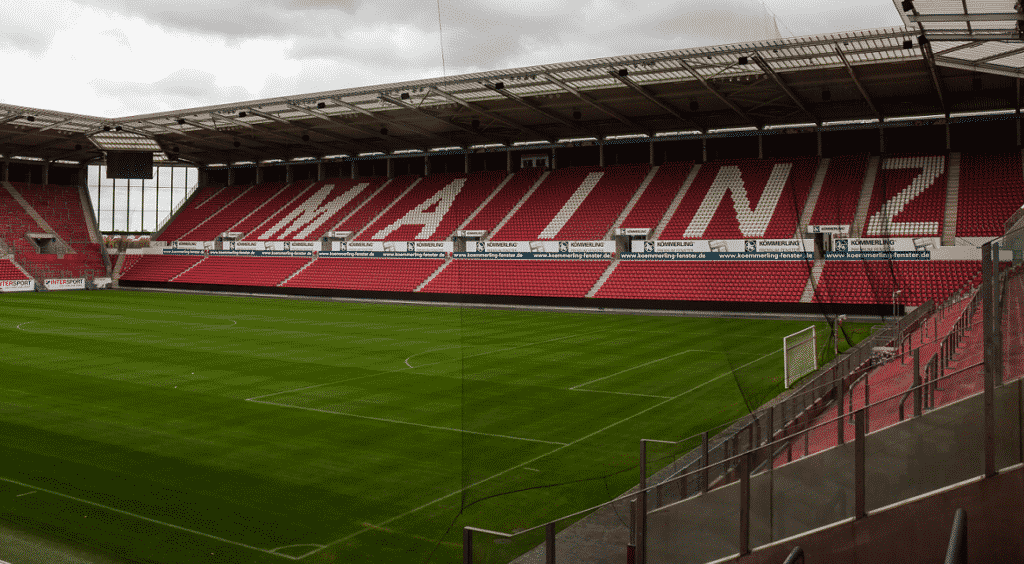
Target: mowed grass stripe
point(97, 395)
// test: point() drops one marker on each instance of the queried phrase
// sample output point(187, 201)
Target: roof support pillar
point(46, 173)
point(817, 133)
point(554, 158)
point(231, 176)
point(508, 151)
point(704, 149)
point(204, 177)
point(83, 176)
point(881, 140)
point(260, 173)
point(650, 145)
point(467, 162)
point(321, 171)
point(600, 153)
point(948, 138)
point(391, 167)
point(289, 174)
point(426, 165)
point(355, 169)
point(7, 163)
point(760, 146)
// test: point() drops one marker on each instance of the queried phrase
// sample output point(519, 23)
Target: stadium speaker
point(499, 85)
point(908, 44)
point(237, 144)
point(826, 95)
point(976, 82)
point(181, 121)
point(694, 106)
point(320, 105)
point(118, 128)
point(30, 118)
point(743, 60)
point(242, 114)
point(404, 96)
point(623, 72)
point(305, 137)
point(78, 146)
point(175, 149)
point(907, 5)
point(576, 114)
point(106, 128)
point(922, 40)
point(383, 131)
point(475, 123)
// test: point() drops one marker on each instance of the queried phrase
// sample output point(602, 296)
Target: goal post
point(799, 354)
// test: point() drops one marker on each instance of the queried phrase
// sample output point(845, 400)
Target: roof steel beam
point(588, 99)
point(967, 45)
point(767, 68)
point(422, 112)
point(732, 105)
point(488, 114)
point(364, 130)
point(857, 83)
point(997, 56)
point(392, 122)
point(548, 114)
point(284, 134)
point(651, 97)
point(960, 18)
point(929, 59)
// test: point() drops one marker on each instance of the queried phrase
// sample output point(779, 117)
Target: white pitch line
point(531, 461)
point(26, 493)
point(632, 368)
point(25, 323)
point(531, 469)
point(399, 422)
point(618, 393)
point(254, 398)
point(414, 355)
point(151, 520)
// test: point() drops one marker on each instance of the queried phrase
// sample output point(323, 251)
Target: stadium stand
point(550, 278)
point(873, 282)
point(577, 203)
point(320, 208)
point(228, 216)
point(654, 202)
point(372, 274)
point(203, 204)
point(991, 189)
point(242, 271)
point(435, 207)
point(159, 268)
point(837, 202)
point(128, 263)
point(387, 193)
point(735, 281)
point(502, 203)
point(739, 199)
point(908, 197)
point(9, 271)
point(284, 198)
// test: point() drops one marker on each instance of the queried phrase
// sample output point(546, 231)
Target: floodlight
point(576, 114)
point(320, 105)
point(237, 144)
point(826, 95)
point(623, 72)
point(242, 114)
point(499, 85)
point(118, 128)
point(30, 118)
point(181, 121)
point(907, 5)
point(383, 131)
point(742, 60)
point(694, 106)
point(404, 96)
point(305, 137)
point(106, 128)
point(908, 44)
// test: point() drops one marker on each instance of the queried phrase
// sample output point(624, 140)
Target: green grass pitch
point(181, 428)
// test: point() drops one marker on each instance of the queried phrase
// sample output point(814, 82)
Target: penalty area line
point(530, 461)
point(150, 519)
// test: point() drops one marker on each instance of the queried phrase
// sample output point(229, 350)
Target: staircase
point(434, 275)
point(604, 278)
point(632, 202)
point(187, 269)
point(812, 281)
point(857, 229)
point(675, 203)
point(952, 200)
point(812, 198)
point(518, 205)
point(296, 273)
point(486, 201)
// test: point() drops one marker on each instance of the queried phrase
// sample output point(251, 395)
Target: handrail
point(956, 552)
point(795, 557)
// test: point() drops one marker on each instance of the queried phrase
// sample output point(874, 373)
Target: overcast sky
point(114, 58)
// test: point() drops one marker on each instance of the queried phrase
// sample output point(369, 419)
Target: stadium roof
point(970, 61)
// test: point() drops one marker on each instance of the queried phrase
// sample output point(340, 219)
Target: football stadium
point(755, 302)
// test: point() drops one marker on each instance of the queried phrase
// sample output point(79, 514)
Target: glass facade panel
point(139, 206)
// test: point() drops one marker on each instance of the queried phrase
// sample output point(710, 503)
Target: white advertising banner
point(190, 245)
point(878, 245)
point(693, 246)
point(17, 285)
point(502, 246)
point(778, 245)
point(834, 229)
point(587, 246)
point(362, 246)
point(303, 246)
point(102, 282)
point(633, 231)
point(249, 245)
point(64, 283)
point(433, 246)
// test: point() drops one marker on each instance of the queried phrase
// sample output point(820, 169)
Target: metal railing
point(956, 552)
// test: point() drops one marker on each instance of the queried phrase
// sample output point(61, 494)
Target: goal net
point(799, 354)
